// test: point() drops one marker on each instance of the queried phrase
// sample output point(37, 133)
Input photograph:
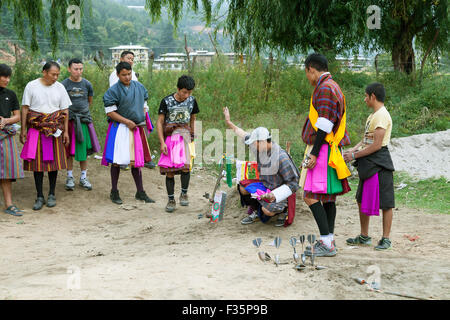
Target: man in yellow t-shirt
point(375, 169)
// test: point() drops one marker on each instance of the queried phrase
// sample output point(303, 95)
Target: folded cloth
point(80, 116)
point(260, 193)
point(108, 150)
point(316, 178)
point(29, 148)
point(255, 186)
point(176, 155)
point(47, 123)
point(370, 204)
point(94, 139)
point(148, 123)
point(8, 130)
point(138, 149)
point(121, 144)
point(47, 148)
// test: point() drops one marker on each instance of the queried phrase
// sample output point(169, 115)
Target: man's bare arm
point(238, 131)
point(375, 146)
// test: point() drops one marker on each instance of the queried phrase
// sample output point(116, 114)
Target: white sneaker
point(70, 184)
point(85, 184)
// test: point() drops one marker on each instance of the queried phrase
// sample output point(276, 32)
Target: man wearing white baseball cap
point(278, 176)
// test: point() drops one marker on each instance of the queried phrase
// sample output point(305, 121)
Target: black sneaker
point(39, 203)
point(359, 240)
point(384, 244)
point(51, 200)
point(150, 164)
point(281, 220)
point(114, 196)
point(141, 195)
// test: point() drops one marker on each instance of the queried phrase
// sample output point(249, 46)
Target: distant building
point(235, 57)
point(202, 57)
point(170, 61)
point(357, 63)
point(178, 61)
point(136, 7)
point(140, 54)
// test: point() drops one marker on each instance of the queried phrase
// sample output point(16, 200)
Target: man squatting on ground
point(278, 175)
point(125, 144)
point(375, 169)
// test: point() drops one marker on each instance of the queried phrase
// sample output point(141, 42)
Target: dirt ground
point(89, 248)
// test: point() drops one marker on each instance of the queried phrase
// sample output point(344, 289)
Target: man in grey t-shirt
point(81, 94)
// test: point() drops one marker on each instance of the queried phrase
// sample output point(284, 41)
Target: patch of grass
point(432, 195)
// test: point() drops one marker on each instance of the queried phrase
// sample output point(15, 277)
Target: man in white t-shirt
point(375, 169)
point(128, 56)
point(44, 130)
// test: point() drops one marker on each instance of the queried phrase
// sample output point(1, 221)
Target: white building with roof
point(140, 54)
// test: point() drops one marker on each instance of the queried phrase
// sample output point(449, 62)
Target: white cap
point(259, 134)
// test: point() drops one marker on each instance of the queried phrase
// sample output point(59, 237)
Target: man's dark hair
point(5, 70)
point(49, 64)
point(122, 65)
point(317, 61)
point(124, 53)
point(186, 82)
point(75, 60)
point(377, 89)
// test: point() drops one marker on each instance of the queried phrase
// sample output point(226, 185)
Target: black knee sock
point(330, 209)
point(321, 218)
point(170, 186)
point(185, 177)
point(38, 182)
point(52, 175)
point(115, 172)
point(137, 176)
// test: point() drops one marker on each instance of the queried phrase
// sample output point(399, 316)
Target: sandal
point(14, 211)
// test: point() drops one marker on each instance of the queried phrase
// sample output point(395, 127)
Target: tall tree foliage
point(329, 26)
point(31, 14)
point(326, 26)
point(424, 22)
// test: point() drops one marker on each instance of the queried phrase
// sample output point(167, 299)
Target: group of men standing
point(56, 127)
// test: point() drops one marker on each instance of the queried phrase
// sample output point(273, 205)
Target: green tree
point(31, 14)
point(422, 22)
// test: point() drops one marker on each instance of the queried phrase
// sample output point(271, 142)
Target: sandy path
point(146, 253)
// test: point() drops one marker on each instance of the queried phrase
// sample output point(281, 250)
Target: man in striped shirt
point(328, 101)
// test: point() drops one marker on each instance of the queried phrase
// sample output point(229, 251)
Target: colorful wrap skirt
point(10, 163)
point(125, 147)
point(180, 149)
point(89, 145)
point(321, 182)
point(41, 153)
